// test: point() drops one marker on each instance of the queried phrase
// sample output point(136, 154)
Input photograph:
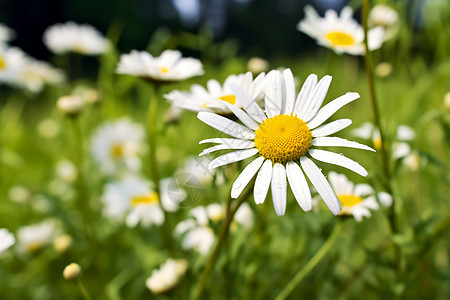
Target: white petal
point(304, 94)
point(321, 184)
point(248, 103)
point(226, 125)
point(299, 186)
point(338, 142)
point(338, 159)
point(385, 199)
point(315, 99)
point(262, 182)
point(274, 94)
point(331, 128)
point(363, 189)
point(238, 145)
point(241, 115)
point(332, 107)
point(223, 141)
point(232, 157)
point(405, 133)
point(279, 189)
point(246, 175)
point(340, 183)
point(289, 91)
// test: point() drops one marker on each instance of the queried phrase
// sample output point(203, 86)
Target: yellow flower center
point(164, 70)
point(116, 151)
point(151, 198)
point(228, 98)
point(377, 143)
point(340, 38)
point(283, 138)
point(2, 63)
point(349, 200)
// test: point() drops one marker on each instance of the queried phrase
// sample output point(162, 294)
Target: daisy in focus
point(197, 231)
point(72, 37)
point(116, 145)
point(207, 99)
point(356, 200)
point(167, 276)
point(6, 33)
point(284, 138)
point(170, 66)
point(132, 198)
point(342, 33)
point(6, 240)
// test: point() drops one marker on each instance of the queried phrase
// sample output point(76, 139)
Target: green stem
point(230, 212)
point(311, 263)
point(83, 290)
point(384, 155)
point(152, 137)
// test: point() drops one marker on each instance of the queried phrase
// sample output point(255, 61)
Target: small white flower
point(6, 33)
point(35, 74)
point(6, 240)
point(34, 237)
point(12, 60)
point(67, 170)
point(208, 99)
point(72, 37)
point(285, 137)
point(133, 199)
point(168, 67)
point(116, 145)
point(70, 105)
point(356, 200)
point(171, 194)
point(167, 276)
point(342, 33)
point(197, 231)
point(382, 15)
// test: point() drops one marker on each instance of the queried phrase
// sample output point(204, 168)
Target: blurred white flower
point(34, 237)
point(35, 74)
point(342, 33)
point(6, 33)
point(197, 231)
point(6, 240)
point(167, 276)
point(383, 69)
point(70, 105)
point(386, 17)
point(217, 98)
point(171, 194)
point(257, 65)
point(19, 194)
point(197, 171)
point(66, 170)
point(356, 200)
point(12, 60)
point(116, 145)
point(132, 198)
point(170, 66)
point(72, 37)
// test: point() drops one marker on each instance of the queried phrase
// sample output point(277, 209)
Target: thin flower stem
point(152, 142)
point(373, 99)
point(311, 263)
point(83, 290)
point(222, 236)
point(384, 155)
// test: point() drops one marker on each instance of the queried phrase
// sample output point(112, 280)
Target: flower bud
point(72, 271)
point(70, 105)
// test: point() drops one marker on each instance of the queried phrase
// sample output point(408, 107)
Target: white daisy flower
point(34, 237)
point(116, 145)
point(400, 148)
point(35, 74)
point(12, 60)
point(72, 37)
point(132, 198)
point(170, 66)
point(207, 99)
point(6, 240)
point(197, 231)
point(356, 200)
point(340, 33)
point(167, 276)
point(6, 33)
point(285, 137)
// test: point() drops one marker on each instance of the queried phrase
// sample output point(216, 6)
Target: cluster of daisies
point(280, 130)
